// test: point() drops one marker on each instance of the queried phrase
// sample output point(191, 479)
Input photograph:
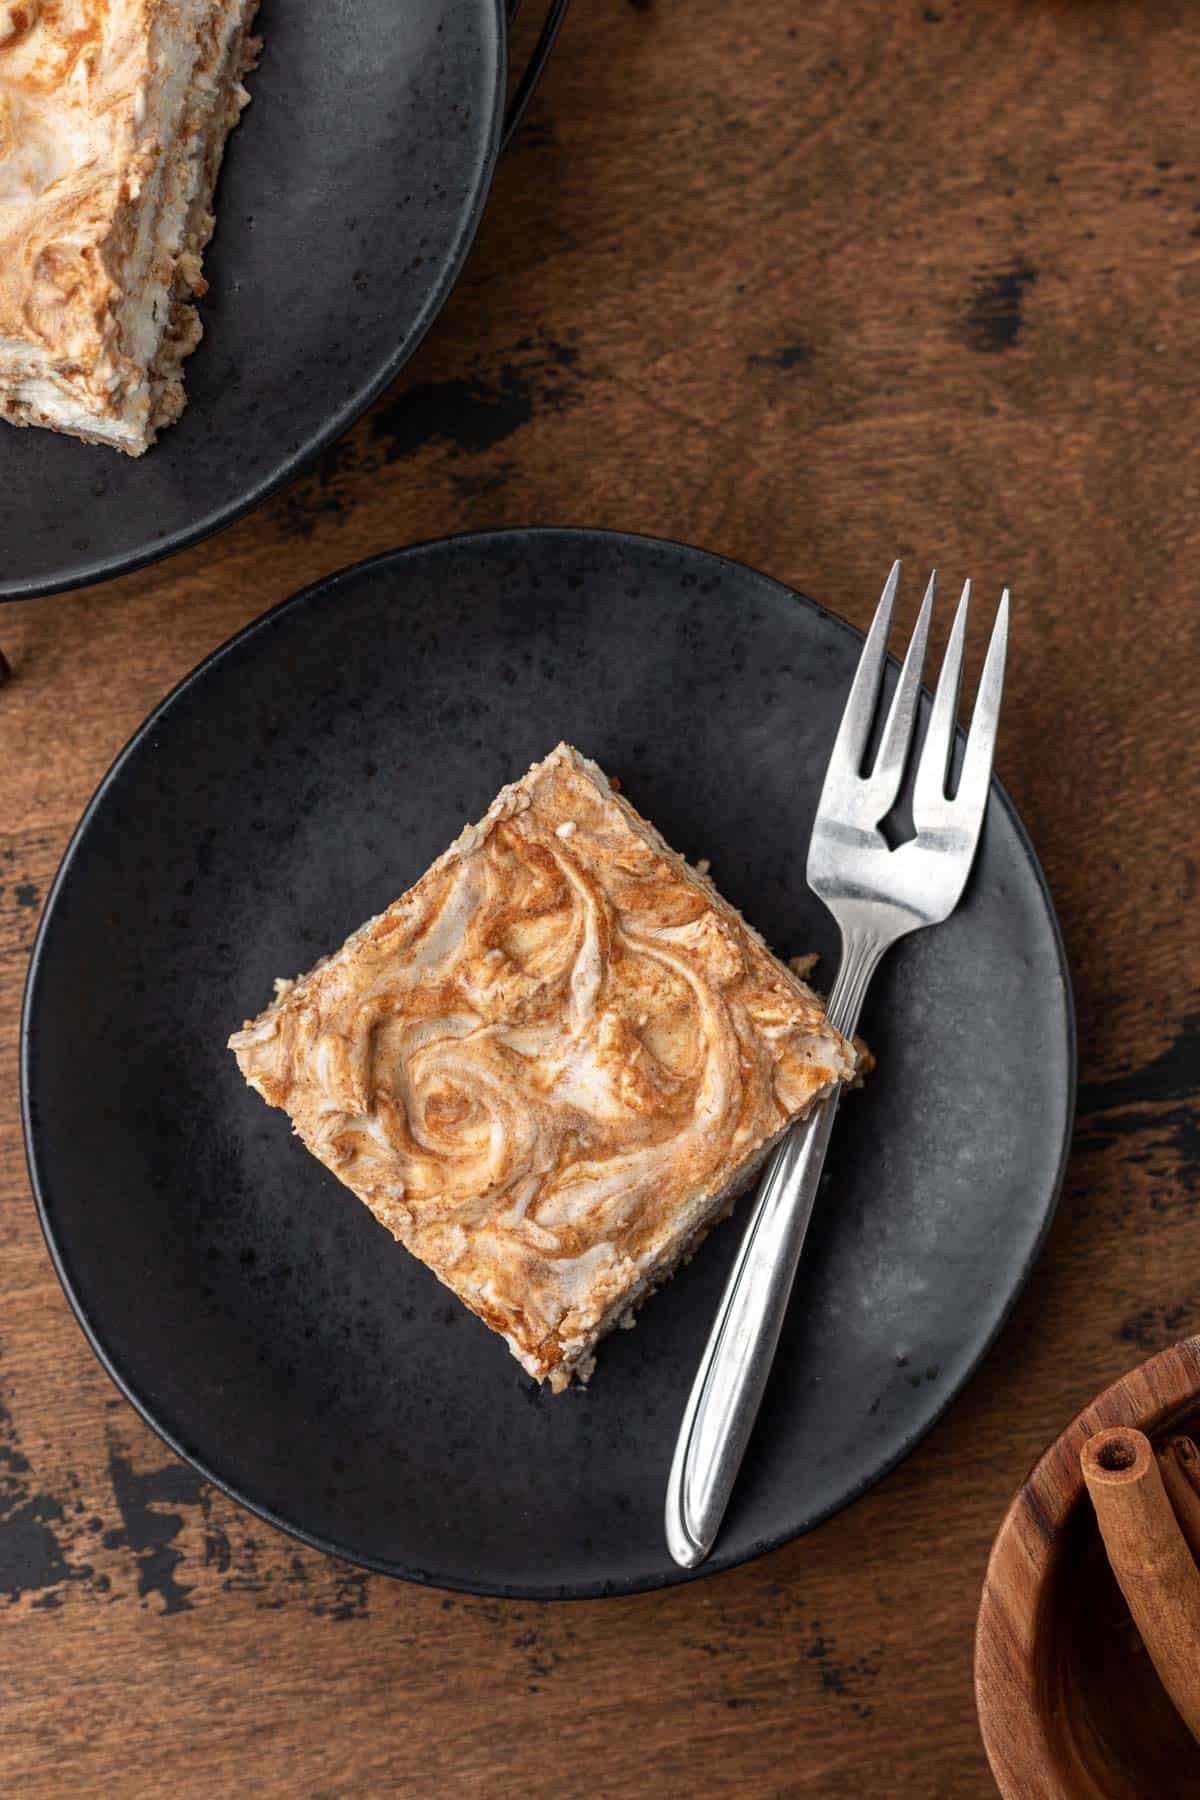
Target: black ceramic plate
point(348, 200)
point(253, 1310)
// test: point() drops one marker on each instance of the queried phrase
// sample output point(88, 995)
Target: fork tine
point(897, 732)
point(851, 741)
point(972, 794)
point(929, 789)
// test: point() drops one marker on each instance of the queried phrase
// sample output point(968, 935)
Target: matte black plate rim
point(587, 1590)
point(87, 574)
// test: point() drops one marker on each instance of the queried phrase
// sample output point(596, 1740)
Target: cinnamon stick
point(1150, 1559)
point(1188, 1458)
point(1179, 1463)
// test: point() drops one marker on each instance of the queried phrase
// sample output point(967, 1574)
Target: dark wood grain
point(814, 287)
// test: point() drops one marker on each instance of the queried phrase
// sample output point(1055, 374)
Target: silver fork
point(877, 895)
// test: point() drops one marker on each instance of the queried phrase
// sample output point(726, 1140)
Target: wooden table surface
point(813, 286)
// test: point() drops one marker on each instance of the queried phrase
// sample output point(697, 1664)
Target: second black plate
point(251, 1307)
point(349, 197)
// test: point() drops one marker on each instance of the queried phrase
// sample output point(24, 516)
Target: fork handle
point(733, 1372)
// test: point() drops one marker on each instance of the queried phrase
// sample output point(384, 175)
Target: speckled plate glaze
point(253, 1310)
point(349, 197)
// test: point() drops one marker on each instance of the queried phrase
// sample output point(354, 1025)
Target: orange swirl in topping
point(69, 73)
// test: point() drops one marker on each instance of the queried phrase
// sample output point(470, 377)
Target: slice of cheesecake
point(113, 120)
point(552, 1065)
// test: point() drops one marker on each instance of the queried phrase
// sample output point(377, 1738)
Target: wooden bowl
point(1069, 1704)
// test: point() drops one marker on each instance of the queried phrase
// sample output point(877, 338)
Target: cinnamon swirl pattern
point(113, 119)
point(551, 1065)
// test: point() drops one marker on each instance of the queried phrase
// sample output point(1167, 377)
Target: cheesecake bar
point(113, 120)
point(552, 1065)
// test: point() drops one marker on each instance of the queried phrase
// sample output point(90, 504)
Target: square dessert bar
point(551, 1066)
point(113, 120)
